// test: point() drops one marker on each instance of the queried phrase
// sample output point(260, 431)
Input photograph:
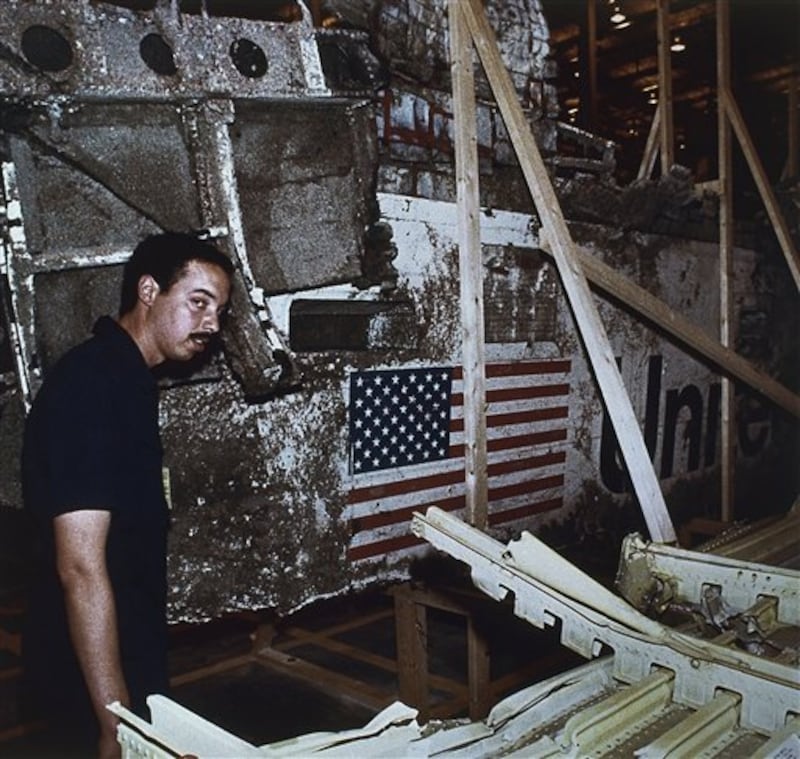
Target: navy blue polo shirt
point(92, 442)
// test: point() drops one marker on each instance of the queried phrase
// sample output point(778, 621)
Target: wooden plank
point(587, 318)
point(443, 601)
point(412, 653)
point(651, 147)
point(19, 731)
point(591, 67)
point(763, 184)
point(200, 673)
point(470, 266)
point(316, 12)
point(11, 641)
point(11, 673)
point(726, 229)
point(306, 638)
point(793, 146)
point(337, 685)
point(356, 622)
point(666, 131)
point(629, 293)
point(478, 671)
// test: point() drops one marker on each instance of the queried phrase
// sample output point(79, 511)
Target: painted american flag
point(406, 429)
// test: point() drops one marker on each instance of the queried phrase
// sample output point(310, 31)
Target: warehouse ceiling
point(765, 40)
point(765, 37)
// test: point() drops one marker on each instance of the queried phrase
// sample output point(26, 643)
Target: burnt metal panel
point(354, 325)
point(120, 123)
point(101, 51)
point(305, 181)
point(102, 174)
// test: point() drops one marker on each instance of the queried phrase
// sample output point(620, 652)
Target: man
point(92, 477)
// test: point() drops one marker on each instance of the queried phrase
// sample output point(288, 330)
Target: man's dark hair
point(164, 257)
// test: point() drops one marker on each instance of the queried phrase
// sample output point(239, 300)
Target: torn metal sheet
point(546, 588)
point(85, 49)
point(644, 700)
point(583, 712)
point(120, 123)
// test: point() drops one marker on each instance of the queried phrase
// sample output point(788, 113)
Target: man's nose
point(211, 322)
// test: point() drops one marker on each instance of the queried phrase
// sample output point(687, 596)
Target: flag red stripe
point(519, 417)
point(517, 441)
point(519, 369)
point(504, 394)
point(385, 518)
point(380, 547)
point(529, 486)
point(443, 479)
point(530, 462)
point(405, 486)
point(500, 517)
point(380, 519)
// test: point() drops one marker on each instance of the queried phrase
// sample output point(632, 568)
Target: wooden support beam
point(763, 184)
point(665, 86)
point(658, 312)
point(793, 147)
point(726, 224)
point(598, 348)
point(589, 89)
point(478, 668)
point(470, 265)
point(324, 679)
point(209, 670)
point(651, 147)
point(411, 625)
point(343, 627)
point(316, 12)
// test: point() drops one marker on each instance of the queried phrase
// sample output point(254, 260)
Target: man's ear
point(148, 289)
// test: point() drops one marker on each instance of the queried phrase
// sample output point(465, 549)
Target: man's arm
point(80, 538)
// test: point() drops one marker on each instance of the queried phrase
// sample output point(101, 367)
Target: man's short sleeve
point(77, 445)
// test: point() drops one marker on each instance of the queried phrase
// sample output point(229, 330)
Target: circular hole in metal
point(248, 58)
point(157, 54)
point(46, 48)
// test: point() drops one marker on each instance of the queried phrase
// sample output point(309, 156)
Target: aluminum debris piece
point(651, 574)
point(661, 692)
point(769, 689)
point(104, 51)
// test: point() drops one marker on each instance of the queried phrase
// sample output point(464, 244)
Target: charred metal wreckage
point(654, 691)
point(141, 121)
point(155, 119)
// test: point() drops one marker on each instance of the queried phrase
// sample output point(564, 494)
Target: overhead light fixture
point(623, 25)
point(618, 17)
point(652, 100)
point(677, 45)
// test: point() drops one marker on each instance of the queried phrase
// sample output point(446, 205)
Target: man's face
point(183, 319)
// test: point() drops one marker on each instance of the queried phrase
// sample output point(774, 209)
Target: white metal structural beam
point(593, 617)
point(16, 268)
